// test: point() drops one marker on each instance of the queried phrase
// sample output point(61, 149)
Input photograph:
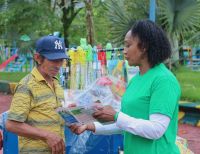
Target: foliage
point(67, 10)
point(101, 25)
point(77, 29)
point(27, 17)
point(179, 18)
point(190, 83)
point(122, 14)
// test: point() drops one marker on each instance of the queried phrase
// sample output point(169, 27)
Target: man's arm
point(54, 141)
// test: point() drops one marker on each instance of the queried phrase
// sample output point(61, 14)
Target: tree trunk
point(69, 13)
point(174, 45)
point(180, 44)
point(89, 22)
point(65, 27)
point(65, 22)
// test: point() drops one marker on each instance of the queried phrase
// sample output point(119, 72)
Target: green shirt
point(34, 103)
point(156, 91)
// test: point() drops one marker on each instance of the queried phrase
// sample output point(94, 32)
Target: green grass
point(12, 76)
point(190, 83)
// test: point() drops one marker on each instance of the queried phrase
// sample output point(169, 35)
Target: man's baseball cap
point(51, 47)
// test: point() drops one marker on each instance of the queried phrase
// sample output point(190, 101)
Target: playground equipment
point(191, 58)
point(191, 113)
point(12, 61)
point(5, 63)
point(17, 65)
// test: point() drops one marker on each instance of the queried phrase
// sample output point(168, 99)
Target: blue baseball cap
point(51, 47)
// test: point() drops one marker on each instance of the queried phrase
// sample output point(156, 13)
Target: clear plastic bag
point(102, 92)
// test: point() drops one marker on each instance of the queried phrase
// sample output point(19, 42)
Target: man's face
point(51, 67)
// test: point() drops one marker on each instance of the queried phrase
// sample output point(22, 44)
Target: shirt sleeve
point(165, 96)
point(106, 129)
point(153, 128)
point(21, 103)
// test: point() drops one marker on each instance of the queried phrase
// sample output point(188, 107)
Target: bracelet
point(116, 116)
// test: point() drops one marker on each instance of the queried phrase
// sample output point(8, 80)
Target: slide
point(5, 63)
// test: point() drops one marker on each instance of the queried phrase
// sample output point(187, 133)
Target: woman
point(149, 108)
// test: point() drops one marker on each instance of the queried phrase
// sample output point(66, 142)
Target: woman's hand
point(105, 114)
point(78, 129)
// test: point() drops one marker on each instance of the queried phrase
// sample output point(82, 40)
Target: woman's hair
point(153, 39)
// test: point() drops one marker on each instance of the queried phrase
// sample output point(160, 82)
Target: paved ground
point(191, 133)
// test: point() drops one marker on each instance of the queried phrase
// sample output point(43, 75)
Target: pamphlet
point(76, 115)
point(79, 115)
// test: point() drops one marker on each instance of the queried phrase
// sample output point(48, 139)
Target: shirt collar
point(38, 75)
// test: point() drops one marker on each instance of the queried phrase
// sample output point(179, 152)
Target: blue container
point(86, 143)
point(10, 140)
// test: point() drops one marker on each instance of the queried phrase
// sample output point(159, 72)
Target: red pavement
point(191, 133)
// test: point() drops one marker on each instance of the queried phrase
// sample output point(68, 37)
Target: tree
point(122, 15)
point(179, 18)
point(26, 17)
point(89, 21)
point(69, 9)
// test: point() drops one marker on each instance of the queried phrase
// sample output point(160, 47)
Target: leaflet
point(76, 115)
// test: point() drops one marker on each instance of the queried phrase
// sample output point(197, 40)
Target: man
point(32, 114)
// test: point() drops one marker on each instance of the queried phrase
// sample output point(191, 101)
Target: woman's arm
point(153, 128)
point(106, 129)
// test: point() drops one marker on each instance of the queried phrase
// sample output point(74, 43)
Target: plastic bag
point(182, 144)
point(102, 92)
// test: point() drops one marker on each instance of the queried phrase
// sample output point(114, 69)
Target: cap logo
point(58, 44)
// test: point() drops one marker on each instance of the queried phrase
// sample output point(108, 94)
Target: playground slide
point(5, 63)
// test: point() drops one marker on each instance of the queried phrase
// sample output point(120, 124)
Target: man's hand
point(105, 114)
point(80, 129)
point(1, 141)
point(56, 143)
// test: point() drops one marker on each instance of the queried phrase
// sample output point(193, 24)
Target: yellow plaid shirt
point(34, 103)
